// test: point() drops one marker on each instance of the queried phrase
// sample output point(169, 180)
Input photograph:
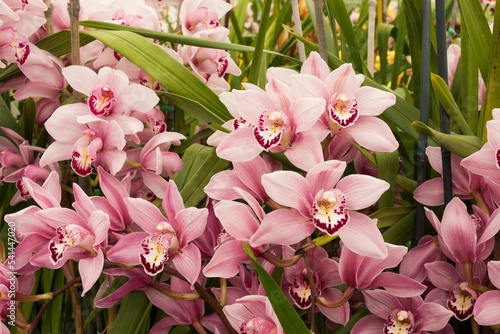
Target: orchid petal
point(188, 263)
point(373, 133)
point(305, 152)
point(432, 317)
point(373, 101)
point(239, 145)
point(381, 303)
point(81, 78)
point(369, 324)
point(90, 269)
point(191, 223)
point(128, 249)
point(325, 175)
point(399, 285)
point(224, 263)
point(237, 219)
point(144, 213)
point(289, 189)
point(486, 308)
point(361, 191)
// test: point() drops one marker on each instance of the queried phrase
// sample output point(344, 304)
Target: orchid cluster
point(277, 195)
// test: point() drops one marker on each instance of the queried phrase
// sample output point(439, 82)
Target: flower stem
point(74, 15)
point(314, 293)
point(176, 295)
point(223, 291)
point(273, 259)
point(320, 29)
point(481, 202)
point(346, 295)
point(199, 327)
point(133, 163)
point(470, 278)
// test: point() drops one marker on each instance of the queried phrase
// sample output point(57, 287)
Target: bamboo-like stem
point(74, 297)
point(44, 307)
point(372, 4)
point(223, 291)
point(48, 17)
point(421, 160)
point(74, 15)
point(320, 29)
point(298, 28)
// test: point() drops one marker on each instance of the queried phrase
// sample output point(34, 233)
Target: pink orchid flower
point(253, 313)
point(486, 161)
point(364, 273)
point(464, 182)
point(199, 15)
point(162, 238)
point(244, 175)
point(155, 162)
point(426, 251)
point(462, 237)
point(180, 312)
point(324, 201)
point(110, 97)
point(240, 222)
point(452, 290)
point(486, 307)
point(97, 143)
point(393, 315)
point(273, 120)
point(81, 238)
point(350, 109)
point(325, 273)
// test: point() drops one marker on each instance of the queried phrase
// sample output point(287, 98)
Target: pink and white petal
point(191, 223)
point(399, 285)
point(493, 272)
point(280, 73)
point(81, 78)
point(349, 266)
point(63, 125)
point(237, 219)
point(493, 128)
point(289, 189)
point(369, 324)
point(434, 220)
point(325, 175)
point(239, 145)
point(250, 172)
point(135, 283)
point(441, 274)
point(144, 213)
point(157, 184)
point(99, 223)
point(430, 192)
point(167, 304)
point(172, 203)
point(114, 191)
point(373, 101)
point(306, 85)
point(90, 269)
point(342, 80)
point(315, 65)
point(492, 227)
point(114, 78)
point(224, 263)
point(188, 262)
point(305, 152)
point(483, 163)
point(431, 317)
point(222, 184)
point(486, 308)
point(25, 249)
point(361, 191)
point(56, 217)
point(128, 249)
point(458, 231)
point(282, 227)
point(128, 124)
point(41, 196)
point(381, 303)
point(136, 97)
point(373, 133)
point(82, 204)
point(251, 104)
point(112, 160)
point(362, 236)
point(339, 315)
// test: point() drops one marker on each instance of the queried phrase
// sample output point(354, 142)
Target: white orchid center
point(399, 322)
point(461, 301)
point(300, 290)
point(157, 247)
point(258, 326)
point(85, 152)
point(70, 235)
point(101, 100)
point(497, 158)
point(270, 128)
point(328, 211)
point(343, 109)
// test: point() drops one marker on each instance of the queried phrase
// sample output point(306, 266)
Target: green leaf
point(388, 216)
point(288, 317)
point(152, 59)
point(6, 118)
point(259, 44)
point(27, 120)
point(200, 163)
point(400, 44)
point(460, 145)
point(133, 316)
point(402, 231)
point(337, 7)
point(384, 31)
point(444, 96)
point(472, 17)
point(468, 76)
point(353, 319)
point(388, 168)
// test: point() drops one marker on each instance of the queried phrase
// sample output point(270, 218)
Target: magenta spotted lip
point(343, 109)
point(270, 129)
point(102, 100)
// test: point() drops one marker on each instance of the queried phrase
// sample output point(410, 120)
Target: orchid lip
point(101, 100)
point(270, 128)
point(461, 302)
point(67, 236)
point(157, 247)
point(328, 211)
point(343, 110)
point(300, 290)
point(497, 158)
point(399, 322)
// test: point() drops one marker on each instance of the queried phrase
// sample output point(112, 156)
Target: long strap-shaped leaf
point(152, 59)
point(289, 319)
